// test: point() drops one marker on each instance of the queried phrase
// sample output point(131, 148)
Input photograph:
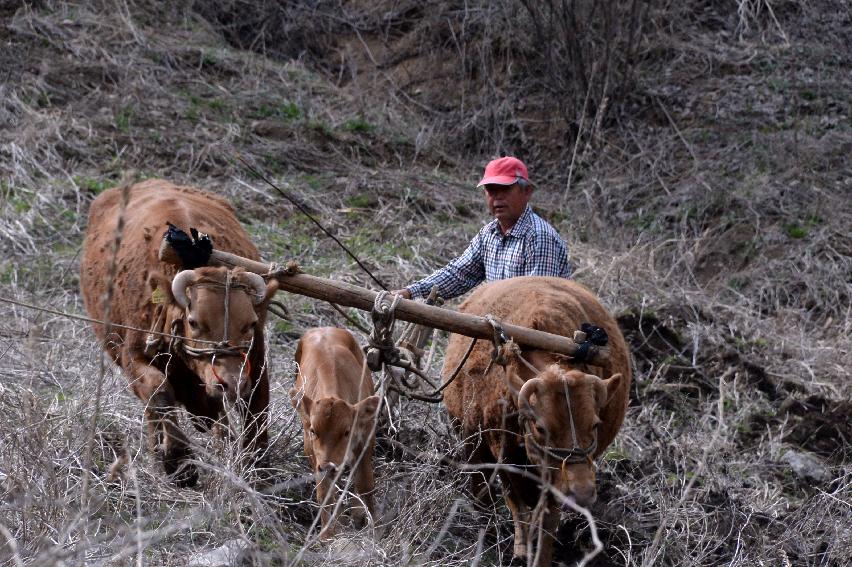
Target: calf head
point(560, 416)
point(338, 430)
point(223, 316)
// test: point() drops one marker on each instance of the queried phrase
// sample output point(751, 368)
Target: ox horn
point(529, 388)
point(179, 285)
point(258, 285)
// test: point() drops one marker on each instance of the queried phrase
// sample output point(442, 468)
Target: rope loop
point(381, 348)
point(499, 355)
point(568, 456)
point(276, 270)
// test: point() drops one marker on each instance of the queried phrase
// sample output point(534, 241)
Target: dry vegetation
point(707, 202)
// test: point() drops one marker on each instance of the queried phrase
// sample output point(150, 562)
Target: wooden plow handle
point(406, 310)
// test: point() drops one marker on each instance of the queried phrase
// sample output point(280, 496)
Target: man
point(517, 242)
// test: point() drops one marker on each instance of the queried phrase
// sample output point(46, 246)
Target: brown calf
point(334, 398)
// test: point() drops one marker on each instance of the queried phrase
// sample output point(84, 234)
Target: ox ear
point(160, 288)
point(514, 381)
point(611, 386)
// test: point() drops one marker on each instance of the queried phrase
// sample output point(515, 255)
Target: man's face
point(507, 202)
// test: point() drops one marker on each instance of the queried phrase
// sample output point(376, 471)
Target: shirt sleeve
point(459, 276)
point(549, 256)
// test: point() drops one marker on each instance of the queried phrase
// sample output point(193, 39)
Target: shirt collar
point(521, 226)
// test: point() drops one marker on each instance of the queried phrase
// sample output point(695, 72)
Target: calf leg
point(326, 496)
point(364, 482)
point(151, 386)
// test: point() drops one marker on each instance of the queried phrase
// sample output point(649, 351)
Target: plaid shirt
point(531, 248)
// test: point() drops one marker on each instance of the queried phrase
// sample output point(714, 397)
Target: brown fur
point(334, 397)
point(139, 272)
point(485, 406)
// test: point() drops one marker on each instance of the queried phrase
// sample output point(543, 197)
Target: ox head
point(223, 316)
point(560, 416)
point(338, 430)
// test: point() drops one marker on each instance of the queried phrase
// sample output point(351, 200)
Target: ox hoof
point(327, 534)
point(261, 462)
point(183, 473)
point(519, 555)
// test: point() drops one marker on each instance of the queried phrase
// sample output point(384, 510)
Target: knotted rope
point(381, 348)
point(505, 347)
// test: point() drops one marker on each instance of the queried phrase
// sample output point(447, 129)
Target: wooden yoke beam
point(406, 310)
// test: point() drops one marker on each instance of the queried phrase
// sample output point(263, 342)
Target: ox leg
point(521, 516)
point(481, 481)
point(204, 411)
point(164, 435)
point(256, 423)
point(545, 522)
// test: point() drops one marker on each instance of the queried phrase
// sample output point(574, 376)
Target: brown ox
point(569, 413)
point(197, 373)
point(334, 397)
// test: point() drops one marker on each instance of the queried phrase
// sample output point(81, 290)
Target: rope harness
point(576, 454)
point(224, 348)
point(505, 347)
point(381, 348)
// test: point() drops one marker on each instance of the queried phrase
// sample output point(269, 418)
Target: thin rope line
point(351, 320)
point(254, 171)
point(459, 367)
point(99, 322)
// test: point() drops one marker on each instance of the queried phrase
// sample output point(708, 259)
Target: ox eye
point(193, 324)
point(346, 433)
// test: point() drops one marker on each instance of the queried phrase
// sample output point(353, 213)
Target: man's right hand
point(402, 292)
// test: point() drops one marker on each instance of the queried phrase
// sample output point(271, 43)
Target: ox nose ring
point(246, 364)
point(328, 468)
point(218, 378)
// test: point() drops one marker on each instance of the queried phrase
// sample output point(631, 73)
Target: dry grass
point(709, 210)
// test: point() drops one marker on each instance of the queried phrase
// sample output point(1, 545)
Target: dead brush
point(753, 13)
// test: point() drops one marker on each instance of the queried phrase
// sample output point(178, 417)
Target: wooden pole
point(406, 310)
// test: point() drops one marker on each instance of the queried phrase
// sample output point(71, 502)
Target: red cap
point(504, 171)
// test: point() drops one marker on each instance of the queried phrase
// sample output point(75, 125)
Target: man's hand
point(402, 292)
